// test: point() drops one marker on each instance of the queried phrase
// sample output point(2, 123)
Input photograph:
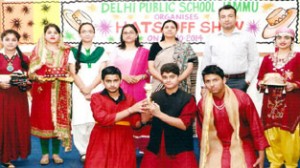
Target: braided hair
point(77, 64)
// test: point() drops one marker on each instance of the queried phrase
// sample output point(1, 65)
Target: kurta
point(127, 61)
point(251, 130)
point(281, 110)
point(111, 144)
point(81, 110)
point(14, 118)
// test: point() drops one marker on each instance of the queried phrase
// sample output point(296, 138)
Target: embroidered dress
point(281, 110)
point(14, 117)
point(51, 99)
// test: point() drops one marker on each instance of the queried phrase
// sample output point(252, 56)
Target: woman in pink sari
point(132, 60)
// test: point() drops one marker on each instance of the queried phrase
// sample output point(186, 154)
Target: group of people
point(100, 99)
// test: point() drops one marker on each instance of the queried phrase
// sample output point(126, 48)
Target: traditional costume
point(111, 143)
point(170, 146)
point(51, 99)
point(82, 117)
point(281, 109)
point(230, 131)
point(134, 62)
point(14, 114)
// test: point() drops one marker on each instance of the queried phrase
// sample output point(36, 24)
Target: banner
point(196, 19)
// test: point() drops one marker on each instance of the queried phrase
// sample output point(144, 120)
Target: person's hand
point(290, 86)
point(260, 160)
point(138, 107)
point(85, 91)
point(248, 82)
point(129, 79)
point(88, 97)
point(261, 85)
point(154, 109)
point(4, 85)
point(139, 77)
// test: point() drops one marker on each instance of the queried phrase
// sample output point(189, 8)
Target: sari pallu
point(139, 66)
point(180, 54)
point(51, 100)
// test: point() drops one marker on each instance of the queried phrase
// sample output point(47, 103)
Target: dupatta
point(42, 61)
point(139, 66)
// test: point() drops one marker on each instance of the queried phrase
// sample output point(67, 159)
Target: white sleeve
point(71, 59)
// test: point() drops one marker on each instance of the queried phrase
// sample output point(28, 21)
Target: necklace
point(219, 107)
point(9, 66)
point(279, 63)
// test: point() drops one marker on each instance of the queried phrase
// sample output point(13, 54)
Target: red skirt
point(14, 125)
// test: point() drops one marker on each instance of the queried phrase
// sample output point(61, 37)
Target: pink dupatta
point(139, 66)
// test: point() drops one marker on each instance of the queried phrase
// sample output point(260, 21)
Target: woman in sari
point(131, 58)
point(51, 93)
point(15, 125)
point(281, 107)
point(171, 50)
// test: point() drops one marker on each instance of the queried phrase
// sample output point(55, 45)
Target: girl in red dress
point(281, 107)
point(51, 93)
point(14, 111)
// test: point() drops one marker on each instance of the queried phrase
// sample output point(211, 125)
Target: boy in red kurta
point(229, 128)
point(111, 143)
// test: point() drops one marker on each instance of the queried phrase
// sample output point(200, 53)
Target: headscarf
point(39, 54)
point(285, 31)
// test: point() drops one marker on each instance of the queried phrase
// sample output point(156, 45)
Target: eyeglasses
point(129, 33)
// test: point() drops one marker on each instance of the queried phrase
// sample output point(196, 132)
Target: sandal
point(44, 160)
point(82, 158)
point(8, 164)
point(57, 159)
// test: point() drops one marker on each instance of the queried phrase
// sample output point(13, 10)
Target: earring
point(283, 91)
point(266, 90)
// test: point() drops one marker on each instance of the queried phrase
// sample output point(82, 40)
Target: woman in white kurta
point(86, 63)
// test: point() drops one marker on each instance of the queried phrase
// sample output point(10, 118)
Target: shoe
point(8, 164)
point(44, 160)
point(82, 158)
point(57, 159)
